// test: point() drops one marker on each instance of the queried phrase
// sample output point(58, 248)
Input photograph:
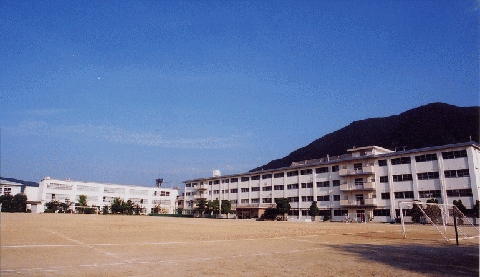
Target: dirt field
point(97, 245)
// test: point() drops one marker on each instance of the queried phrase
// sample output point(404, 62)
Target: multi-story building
point(100, 194)
point(367, 182)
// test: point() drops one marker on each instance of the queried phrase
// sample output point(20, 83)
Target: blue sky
point(129, 91)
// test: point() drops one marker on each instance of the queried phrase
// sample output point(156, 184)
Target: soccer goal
point(448, 221)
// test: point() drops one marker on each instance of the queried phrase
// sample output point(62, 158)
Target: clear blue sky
point(128, 91)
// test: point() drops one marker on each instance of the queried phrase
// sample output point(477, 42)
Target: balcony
point(257, 205)
point(199, 195)
point(366, 170)
point(201, 187)
point(358, 186)
point(367, 202)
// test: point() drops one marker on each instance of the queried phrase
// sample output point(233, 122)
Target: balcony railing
point(257, 205)
point(358, 186)
point(359, 203)
point(201, 187)
point(356, 171)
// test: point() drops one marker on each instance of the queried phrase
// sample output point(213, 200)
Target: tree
point(82, 200)
point(201, 206)
point(14, 204)
point(433, 211)
point(283, 206)
point(226, 206)
point(118, 206)
point(460, 206)
point(416, 213)
point(6, 201)
point(476, 208)
point(105, 209)
point(54, 206)
point(128, 208)
point(214, 206)
point(19, 203)
point(314, 211)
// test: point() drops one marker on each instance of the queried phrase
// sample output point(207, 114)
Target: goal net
point(435, 221)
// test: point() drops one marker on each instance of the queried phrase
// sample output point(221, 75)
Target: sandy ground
point(98, 245)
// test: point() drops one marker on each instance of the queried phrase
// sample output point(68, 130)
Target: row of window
point(385, 195)
point(428, 193)
point(335, 168)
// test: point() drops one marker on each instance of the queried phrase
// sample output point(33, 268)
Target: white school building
point(99, 194)
point(366, 183)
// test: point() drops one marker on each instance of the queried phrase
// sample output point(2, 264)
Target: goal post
point(447, 219)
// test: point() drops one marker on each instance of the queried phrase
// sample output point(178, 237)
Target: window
point(357, 166)
point(255, 200)
point(267, 188)
point(210, 183)
point(383, 179)
point(454, 154)
point(430, 193)
point(322, 169)
point(164, 193)
point(307, 185)
point(7, 191)
point(256, 189)
point(234, 202)
point(234, 191)
point(278, 175)
point(188, 185)
point(382, 162)
point(256, 177)
point(216, 191)
point(323, 198)
point(335, 168)
point(279, 187)
point(245, 190)
point(293, 199)
point(340, 212)
point(59, 186)
point(267, 176)
point(305, 172)
point(381, 212)
point(216, 182)
point(244, 201)
point(385, 195)
point(292, 173)
point(358, 181)
point(324, 184)
point(402, 160)
point(403, 177)
point(336, 198)
point(266, 200)
point(335, 183)
point(234, 180)
point(403, 194)
point(427, 175)
point(459, 192)
point(307, 198)
point(292, 186)
point(426, 158)
point(456, 173)
point(245, 179)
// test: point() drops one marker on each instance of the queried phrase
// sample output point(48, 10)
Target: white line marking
point(175, 261)
point(83, 244)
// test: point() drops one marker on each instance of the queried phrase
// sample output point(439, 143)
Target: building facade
point(367, 183)
point(100, 194)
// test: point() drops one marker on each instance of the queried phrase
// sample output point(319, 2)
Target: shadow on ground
point(437, 260)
